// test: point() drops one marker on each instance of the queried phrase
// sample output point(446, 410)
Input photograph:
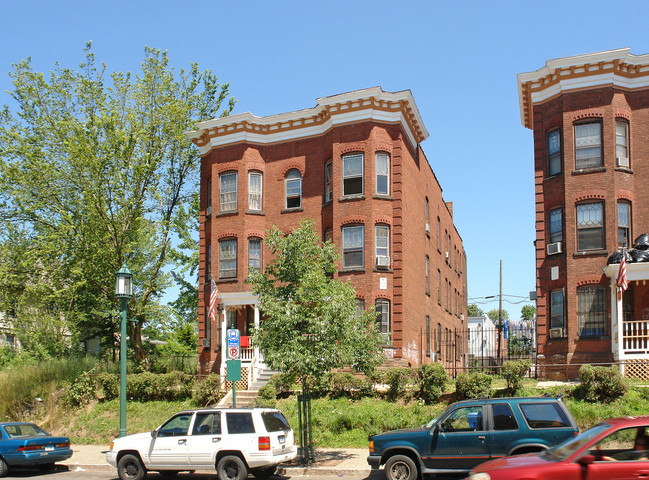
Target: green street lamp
point(123, 291)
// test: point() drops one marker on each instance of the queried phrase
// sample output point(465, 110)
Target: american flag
point(621, 276)
point(213, 297)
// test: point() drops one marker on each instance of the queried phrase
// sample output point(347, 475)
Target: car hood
point(397, 432)
point(138, 437)
point(527, 460)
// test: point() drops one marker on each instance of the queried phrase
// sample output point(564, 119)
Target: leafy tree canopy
point(494, 315)
point(475, 311)
point(310, 321)
point(528, 312)
point(96, 171)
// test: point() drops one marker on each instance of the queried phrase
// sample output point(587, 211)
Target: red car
point(616, 449)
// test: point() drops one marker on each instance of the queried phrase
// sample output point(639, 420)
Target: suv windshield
point(274, 421)
point(570, 446)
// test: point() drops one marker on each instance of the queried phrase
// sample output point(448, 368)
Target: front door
point(460, 441)
point(169, 447)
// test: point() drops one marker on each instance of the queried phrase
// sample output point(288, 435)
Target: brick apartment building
point(353, 165)
point(590, 118)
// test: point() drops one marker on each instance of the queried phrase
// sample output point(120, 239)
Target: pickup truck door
point(169, 445)
point(460, 440)
point(206, 439)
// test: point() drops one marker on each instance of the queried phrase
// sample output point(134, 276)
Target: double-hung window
point(383, 318)
point(228, 191)
point(228, 258)
point(255, 186)
point(208, 199)
point(329, 181)
point(591, 310)
point(556, 225)
point(353, 174)
point(588, 145)
point(554, 152)
point(254, 254)
point(590, 226)
point(621, 144)
point(293, 189)
point(381, 241)
point(556, 309)
point(353, 246)
point(623, 224)
point(382, 173)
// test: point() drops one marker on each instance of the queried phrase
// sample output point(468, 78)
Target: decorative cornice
point(352, 107)
point(618, 68)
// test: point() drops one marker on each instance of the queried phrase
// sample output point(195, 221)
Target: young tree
point(494, 315)
point(94, 170)
point(310, 321)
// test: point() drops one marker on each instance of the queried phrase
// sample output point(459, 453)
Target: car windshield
point(570, 446)
point(24, 430)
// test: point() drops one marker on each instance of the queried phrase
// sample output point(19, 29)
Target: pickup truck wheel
point(264, 472)
point(130, 467)
point(400, 467)
point(4, 468)
point(231, 467)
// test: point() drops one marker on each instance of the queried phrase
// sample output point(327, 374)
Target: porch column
point(256, 325)
point(222, 343)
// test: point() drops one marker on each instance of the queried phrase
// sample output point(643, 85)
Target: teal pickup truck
point(471, 432)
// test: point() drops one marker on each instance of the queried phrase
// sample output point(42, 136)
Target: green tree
point(310, 321)
point(528, 312)
point(494, 315)
point(475, 311)
point(94, 171)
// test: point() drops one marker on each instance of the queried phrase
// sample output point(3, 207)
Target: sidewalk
point(328, 461)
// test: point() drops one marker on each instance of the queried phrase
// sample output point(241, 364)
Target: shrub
point(600, 384)
point(148, 386)
point(347, 385)
point(398, 380)
point(207, 391)
point(109, 383)
point(431, 378)
point(514, 372)
point(472, 385)
point(79, 391)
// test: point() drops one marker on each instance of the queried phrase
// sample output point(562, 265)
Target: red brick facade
point(599, 90)
point(306, 141)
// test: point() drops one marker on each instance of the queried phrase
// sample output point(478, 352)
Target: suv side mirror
point(154, 433)
point(586, 460)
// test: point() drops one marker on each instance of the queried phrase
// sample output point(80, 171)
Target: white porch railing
point(247, 354)
point(635, 337)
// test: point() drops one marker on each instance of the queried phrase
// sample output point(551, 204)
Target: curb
point(290, 471)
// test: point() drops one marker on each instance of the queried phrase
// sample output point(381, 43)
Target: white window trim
point(376, 174)
point(259, 194)
point(362, 174)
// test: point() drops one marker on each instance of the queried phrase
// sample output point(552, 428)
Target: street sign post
point(234, 363)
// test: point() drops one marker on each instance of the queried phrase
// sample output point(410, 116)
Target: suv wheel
point(130, 468)
point(231, 467)
point(264, 472)
point(400, 467)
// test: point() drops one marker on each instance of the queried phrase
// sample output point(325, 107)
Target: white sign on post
point(233, 343)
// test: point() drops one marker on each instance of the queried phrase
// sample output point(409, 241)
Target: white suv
point(233, 441)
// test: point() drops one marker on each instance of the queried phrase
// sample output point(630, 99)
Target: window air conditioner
point(622, 162)
point(205, 342)
point(556, 332)
point(427, 228)
point(382, 261)
point(554, 248)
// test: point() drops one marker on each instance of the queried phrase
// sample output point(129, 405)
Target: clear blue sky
point(459, 59)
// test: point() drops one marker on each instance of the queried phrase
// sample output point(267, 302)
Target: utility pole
point(500, 311)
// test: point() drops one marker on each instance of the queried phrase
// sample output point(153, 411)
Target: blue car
point(25, 444)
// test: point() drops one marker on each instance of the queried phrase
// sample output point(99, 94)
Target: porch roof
point(634, 271)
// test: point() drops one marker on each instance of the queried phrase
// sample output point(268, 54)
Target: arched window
point(294, 189)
